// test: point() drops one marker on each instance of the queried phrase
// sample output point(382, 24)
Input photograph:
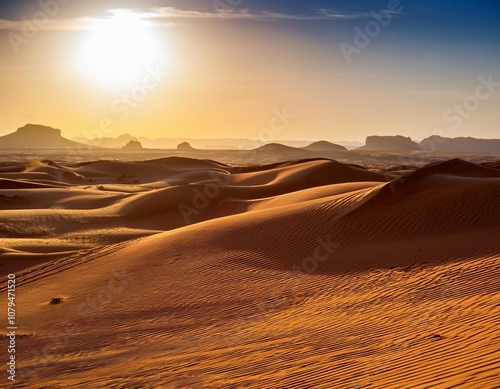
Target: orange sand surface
point(186, 273)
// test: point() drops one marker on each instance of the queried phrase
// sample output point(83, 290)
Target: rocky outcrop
point(440, 143)
point(36, 136)
point(396, 142)
point(184, 146)
point(133, 145)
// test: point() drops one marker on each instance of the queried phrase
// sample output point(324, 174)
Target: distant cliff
point(396, 142)
point(107, 142)
point(35, 136)
point(439, 143)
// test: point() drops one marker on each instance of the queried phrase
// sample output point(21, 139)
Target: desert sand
point(189, 273)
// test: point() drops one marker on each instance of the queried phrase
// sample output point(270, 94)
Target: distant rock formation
point(214, 144)
point(277, 148)
point(133, 145)
point(36, 136)
point(389, 143)
point(184, 146)
point(323, 145)
point(107, 142)
point(439, 143)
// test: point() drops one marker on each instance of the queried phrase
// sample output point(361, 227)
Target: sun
point(119, 50)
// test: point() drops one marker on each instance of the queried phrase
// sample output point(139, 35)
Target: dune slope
point(346, 285)
point(48, 208)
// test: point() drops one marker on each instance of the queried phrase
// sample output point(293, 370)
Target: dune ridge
point(300, 274)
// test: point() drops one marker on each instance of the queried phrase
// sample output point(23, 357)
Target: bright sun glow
point(119, 51)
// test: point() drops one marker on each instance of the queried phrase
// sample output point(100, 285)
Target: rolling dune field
point(187, 273)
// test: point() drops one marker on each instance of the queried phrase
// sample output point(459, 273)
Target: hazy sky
point(335, 70)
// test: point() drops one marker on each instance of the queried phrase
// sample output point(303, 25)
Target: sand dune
point(128, 199)
point(194, 274)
